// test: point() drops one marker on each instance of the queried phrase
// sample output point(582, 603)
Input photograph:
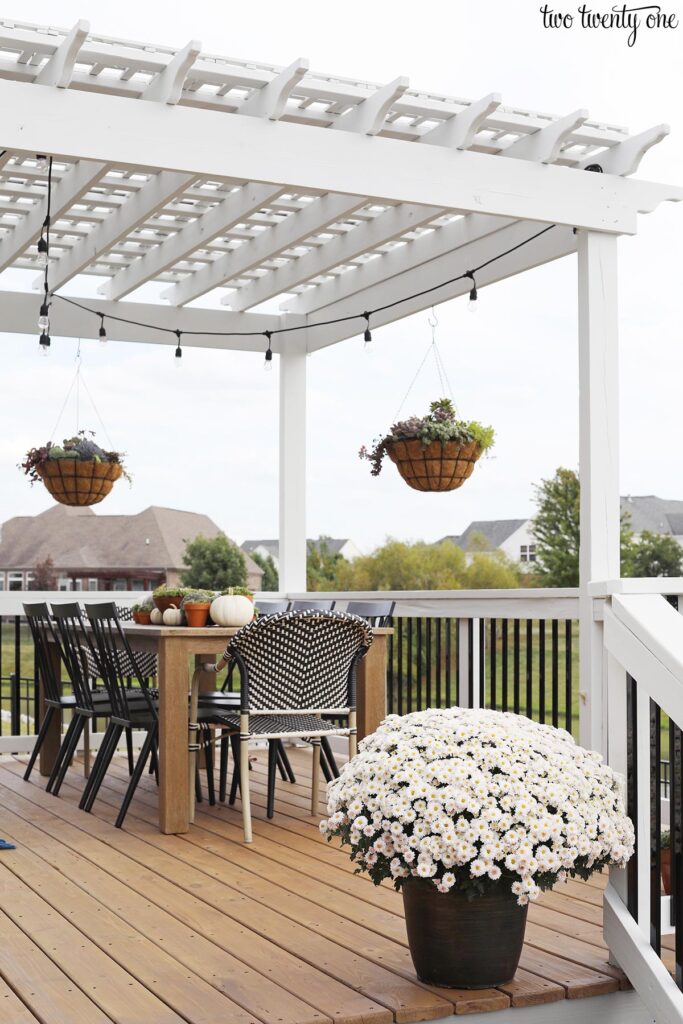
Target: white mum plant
point(475, 798)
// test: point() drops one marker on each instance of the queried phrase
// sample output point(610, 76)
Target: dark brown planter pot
point(143, 618)
point(163, 603)
point(437, 466)
point(666, 870)
point(462, 943)
point(197, 615)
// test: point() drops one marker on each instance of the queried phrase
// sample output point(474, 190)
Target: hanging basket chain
point(77, 381)
point(433, 349)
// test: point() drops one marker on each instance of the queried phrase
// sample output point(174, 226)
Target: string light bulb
point(43, 252)
point(42, 163)
point(44, 342)
point(178, 351)
point(268, 364)
point(44, 318)
point(102, 332)
point(473, 292)
point(367, 336)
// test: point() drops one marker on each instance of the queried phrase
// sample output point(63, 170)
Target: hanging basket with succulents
point(436, 452)
point(77, 472)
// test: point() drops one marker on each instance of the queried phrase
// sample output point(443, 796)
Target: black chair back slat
point(377, 613)
point(311, 606)
point(272, 607)
point(116, 661)
point(75, 647)
point(42, 632)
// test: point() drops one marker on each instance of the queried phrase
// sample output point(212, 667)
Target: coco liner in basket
point(72, 482)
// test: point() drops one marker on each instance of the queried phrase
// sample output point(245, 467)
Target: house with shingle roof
point(335, 545)
point(101, 552)
point(511, 536)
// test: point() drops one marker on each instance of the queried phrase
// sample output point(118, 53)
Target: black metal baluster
point(655, 829)
point(541, 670)
point(493, 661)
point(449, 629)
point(470, 663)
point(410, 666)
point(676, 757)
point(554, 655)
point(529, 668)
point(504, 661)
point(672, 795)
point(428, 624)
point(632, 788)
point(568, 689)
point(482, 663)
point(515, 664)
point(438, 663)
point(399, 641)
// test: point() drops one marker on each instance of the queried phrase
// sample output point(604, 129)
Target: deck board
point(202, 927)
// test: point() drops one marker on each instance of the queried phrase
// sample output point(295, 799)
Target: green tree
point(44, 575)
point(214, 564)
point(398, 565)
point(271, 579)
point(656, 554)
point(321, 565)
point(556, 530)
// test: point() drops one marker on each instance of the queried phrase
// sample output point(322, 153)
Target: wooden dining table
point(181, 651)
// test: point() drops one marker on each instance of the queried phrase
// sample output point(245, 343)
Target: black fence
point(528, 666)
point(18, 678)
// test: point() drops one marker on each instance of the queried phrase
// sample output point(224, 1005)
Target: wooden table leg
point(371, 687)
point(174, 684)
point(207, 684)
point(53, 739)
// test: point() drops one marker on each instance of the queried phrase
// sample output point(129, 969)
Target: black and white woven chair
point(294, 668)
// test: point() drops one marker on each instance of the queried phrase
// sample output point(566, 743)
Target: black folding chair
point(377, 613)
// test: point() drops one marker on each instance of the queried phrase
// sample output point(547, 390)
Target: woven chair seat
point(283, 725)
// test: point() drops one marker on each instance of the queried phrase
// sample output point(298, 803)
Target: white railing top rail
point(644, 585)
point(522, 603)
point(645, 635)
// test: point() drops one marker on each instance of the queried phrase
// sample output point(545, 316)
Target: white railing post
point(292, 481)
point(599, 557)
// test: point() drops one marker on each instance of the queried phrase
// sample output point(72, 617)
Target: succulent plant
point(77, 447)
point(440, 424)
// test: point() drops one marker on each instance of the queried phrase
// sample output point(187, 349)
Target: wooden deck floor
point(101, 926)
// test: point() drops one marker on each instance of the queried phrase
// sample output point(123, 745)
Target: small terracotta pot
point(143, 618)
point(163, 603)
point(136, 617)
point(197, 615)
point(461, 943)
point(666, 870)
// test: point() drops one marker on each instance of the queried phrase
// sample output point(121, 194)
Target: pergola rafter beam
point(74, 184)
point(443, 241)
point(167, 85)
point(625, 157)
point(545, 145)
point(556, 243)
point(236, 207)
point(137, 209)
point(59, 68)
point(390, 224)
point(270, 101)
point(368, 117)
point(293, 230)
point(458, 131)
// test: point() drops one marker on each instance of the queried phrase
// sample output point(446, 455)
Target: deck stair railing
point(643, 639)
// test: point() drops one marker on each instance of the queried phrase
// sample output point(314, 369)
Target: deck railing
point(643, 639)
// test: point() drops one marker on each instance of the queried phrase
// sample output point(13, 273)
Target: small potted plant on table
point(168, 597)
point(472, 814)
point(142, 613)
point(196, 605)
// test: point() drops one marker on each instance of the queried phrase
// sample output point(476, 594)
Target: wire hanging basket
point(77, 483)
point(438, 466)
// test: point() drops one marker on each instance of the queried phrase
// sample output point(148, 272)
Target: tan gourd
point(156, 617)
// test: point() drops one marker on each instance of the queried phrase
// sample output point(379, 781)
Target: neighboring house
point(657, 515)
point(511, 536)
point(337, 546)
point(100, 552)
point(514, 537)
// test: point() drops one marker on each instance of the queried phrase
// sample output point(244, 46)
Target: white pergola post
point(292, 531)
point(599, 557)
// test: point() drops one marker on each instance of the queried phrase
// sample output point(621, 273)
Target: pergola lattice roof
point(255, 239)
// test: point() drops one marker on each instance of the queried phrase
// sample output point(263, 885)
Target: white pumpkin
point(173, 617)
point(156, 617)
point(232, 610)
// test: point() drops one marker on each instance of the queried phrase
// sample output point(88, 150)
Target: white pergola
point(221, 177)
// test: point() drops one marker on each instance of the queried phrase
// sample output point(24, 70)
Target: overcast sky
point(204, 438)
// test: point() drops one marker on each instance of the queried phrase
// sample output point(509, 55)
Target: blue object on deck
point(6, 846)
